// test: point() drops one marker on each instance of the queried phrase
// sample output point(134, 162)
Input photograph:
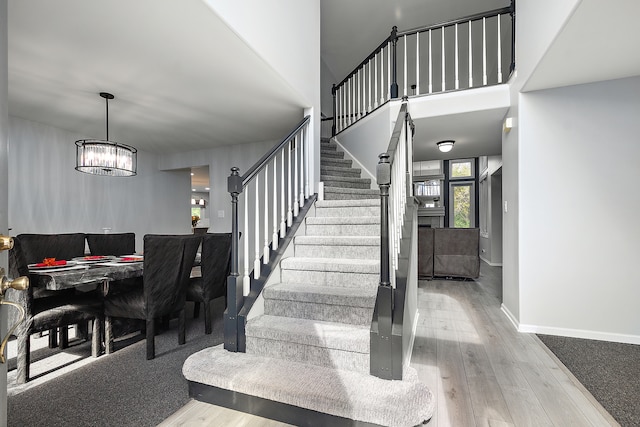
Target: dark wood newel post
point(333, 94)
point(381, 345)
point(235, 297)
point(394, 68)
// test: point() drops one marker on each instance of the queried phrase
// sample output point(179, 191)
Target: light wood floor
point(480, 369)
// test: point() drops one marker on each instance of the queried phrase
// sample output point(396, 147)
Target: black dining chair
point(48, 310)
point(168, 260)
point(215, 264)
point(116, 244)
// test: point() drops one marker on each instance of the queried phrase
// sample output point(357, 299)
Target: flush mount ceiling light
point(104, 157)
point(445, 146)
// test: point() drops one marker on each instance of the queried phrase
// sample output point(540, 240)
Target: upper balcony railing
point(465, 53)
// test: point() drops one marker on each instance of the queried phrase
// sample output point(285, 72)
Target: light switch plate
point(220, 214)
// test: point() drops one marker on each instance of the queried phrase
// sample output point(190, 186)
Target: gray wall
point(579, 203)
point(47, 195)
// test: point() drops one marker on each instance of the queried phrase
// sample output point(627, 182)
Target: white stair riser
point(343, 229)
point(331, 278)
point(337, 251)
point(321, 356)
point(314, 311)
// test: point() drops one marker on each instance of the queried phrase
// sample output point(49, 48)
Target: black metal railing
point(279, 187)
point(460, 54)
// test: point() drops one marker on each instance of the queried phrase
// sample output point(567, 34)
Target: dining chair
point(215, 264)
point(52, 309)
point(168, 260)
point(116, 244)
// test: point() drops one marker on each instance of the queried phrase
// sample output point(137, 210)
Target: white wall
point(47, 195)
point(579, 204)
point(4, 187)
point(286, 33)
point(327, 80)
point(537, 25)
point(487, 243)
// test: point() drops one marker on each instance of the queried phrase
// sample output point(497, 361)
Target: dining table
point(80, 274)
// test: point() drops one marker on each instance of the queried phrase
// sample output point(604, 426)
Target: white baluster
point(358, 95)
point(417, 63)
point(349, 109)
point(307, 191)
point(246, 282)
point(283, 194)
point(375, 81)
point(274, 188)
point(342, 116)
point(369, 107)
point(295, 175)
point(256, 229)
point(406, 67)
point(444, 86)
point(289, 189)
point(389, 70)
point(456, 59)
point(430, 65)
point(470, 59)
point(484, 51)
point(302, 168)
point(499, 53)
point(266, 250)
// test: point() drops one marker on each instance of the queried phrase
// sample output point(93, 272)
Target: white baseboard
point(414, 331)
point(580, 333)
point(510, 316)
point(568, 332)
point(492, 264)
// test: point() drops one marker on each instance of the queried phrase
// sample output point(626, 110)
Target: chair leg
point(64, 337)
point(207, 317)
point(151, 347)
point(95, 338)
point(196, 309)
point(182, 317)
point(23, 359)
point(108, 335)
point(53, 338)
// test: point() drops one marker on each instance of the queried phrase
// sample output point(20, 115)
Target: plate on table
point(130, 258)
point(93, 258)
point(58, 264)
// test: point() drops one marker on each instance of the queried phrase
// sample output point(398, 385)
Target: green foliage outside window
point(462, 206)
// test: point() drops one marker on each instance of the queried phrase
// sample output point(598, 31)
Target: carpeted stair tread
point(339, 220)
point(316, 333)
point(339, 171)
point(345, 182)
point(331, 154)
point(331, 265)
point(347, 203)
point(350, 193)
point(342, 393)
point(353, 297)
point(338, 240)
point(341, 163)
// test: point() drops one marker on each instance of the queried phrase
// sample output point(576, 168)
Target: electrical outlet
point(506, 208)
point(220, 214)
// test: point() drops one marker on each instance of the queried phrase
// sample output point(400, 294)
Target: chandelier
point(104, 157)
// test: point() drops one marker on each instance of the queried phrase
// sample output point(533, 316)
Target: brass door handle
point(20, 284)
point(6, 243)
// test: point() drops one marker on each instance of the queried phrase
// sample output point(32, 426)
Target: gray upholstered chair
point(168, 260)
point(215, 264)
point(48, 310)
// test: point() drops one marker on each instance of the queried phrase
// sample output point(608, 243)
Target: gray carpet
point(122, 389)
point(610, 371)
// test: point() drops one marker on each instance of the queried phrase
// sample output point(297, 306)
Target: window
point(462, 193)
point(462, 205)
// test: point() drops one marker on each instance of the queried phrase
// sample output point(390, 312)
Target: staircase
point(311, 346)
